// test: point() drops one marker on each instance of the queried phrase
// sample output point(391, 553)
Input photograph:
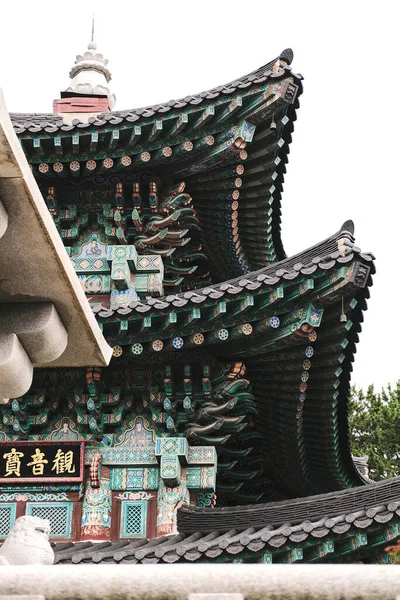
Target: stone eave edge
point(16, 167)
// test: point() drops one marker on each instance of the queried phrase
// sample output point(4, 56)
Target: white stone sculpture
point(28, 543)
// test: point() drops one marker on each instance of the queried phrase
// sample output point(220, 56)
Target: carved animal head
point(28, 543)
point(31, 525)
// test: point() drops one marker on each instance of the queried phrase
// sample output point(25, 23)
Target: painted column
point(173, 492)
point(183, 469)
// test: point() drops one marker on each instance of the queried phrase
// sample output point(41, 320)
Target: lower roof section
point(323, 510)
point(347, 526)
point(294, 326)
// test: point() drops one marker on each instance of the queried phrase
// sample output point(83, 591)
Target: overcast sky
point(344, 159)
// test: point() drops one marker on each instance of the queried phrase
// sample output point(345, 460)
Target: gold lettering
point(63, 462)
point(38, 462)
point(13, 462)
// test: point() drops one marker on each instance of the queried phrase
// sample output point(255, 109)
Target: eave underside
point(299, 366)
point(229, 145)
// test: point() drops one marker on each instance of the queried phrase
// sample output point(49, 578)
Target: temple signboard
point(39, 462)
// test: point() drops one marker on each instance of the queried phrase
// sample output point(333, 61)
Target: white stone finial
point(90, 74)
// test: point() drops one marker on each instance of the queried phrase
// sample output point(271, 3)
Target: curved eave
point(348, 526)
point(50, 122)
point(360, 501)
point(153, 138)
point(301, 394)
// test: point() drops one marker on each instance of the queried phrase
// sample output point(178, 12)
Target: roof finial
point(92, 45)
point(90, 74)
point(93, 28)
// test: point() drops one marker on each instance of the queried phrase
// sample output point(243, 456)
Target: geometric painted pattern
point(58, 513)
point(133, 519)
point(7, 517)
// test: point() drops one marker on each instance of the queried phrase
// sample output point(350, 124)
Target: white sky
point(344, 159)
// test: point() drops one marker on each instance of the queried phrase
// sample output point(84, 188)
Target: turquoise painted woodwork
point(7, 517)
point(58, 513)
point(133, 519)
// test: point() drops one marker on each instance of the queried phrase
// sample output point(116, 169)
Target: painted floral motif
point(108, 163)
point(235, 194)
point(137, 349)
point(167, 151)
point(91, 165)
point(307, 365)
point(312, 336)
point(58, 167)
point(274, 322)
point(201, 454)
point(243, 155)
point(177, 343)
point(126, 161)
point(303, 386)
point(235, 205)
point(309, 352)
point(240, 169)
point(223, 334)
point(27, 496)
point(305, 376)
point(188, 146)
point(43, 167)
point(117, 351)
point(198, 338)
point(74, 166)
point(145, 156)
point(247, 329)
point(157, 345)
point(238, 182)
point(96, 511)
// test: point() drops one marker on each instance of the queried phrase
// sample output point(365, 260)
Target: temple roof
point(295, 325)
point(50, 122)
point(321, 257)
point(294, 322)
point(353, 524)
point(229, 145)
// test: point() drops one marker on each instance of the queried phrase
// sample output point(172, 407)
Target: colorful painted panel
point(123, 456)
point(176, 445)
point(201, 478)
point(205, 455)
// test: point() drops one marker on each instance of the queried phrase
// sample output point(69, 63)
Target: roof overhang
point(45, 318)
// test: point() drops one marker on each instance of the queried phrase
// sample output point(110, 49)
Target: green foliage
point(374, 425)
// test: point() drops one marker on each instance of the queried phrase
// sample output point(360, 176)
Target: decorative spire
point(92, 40)
point(90, 74)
